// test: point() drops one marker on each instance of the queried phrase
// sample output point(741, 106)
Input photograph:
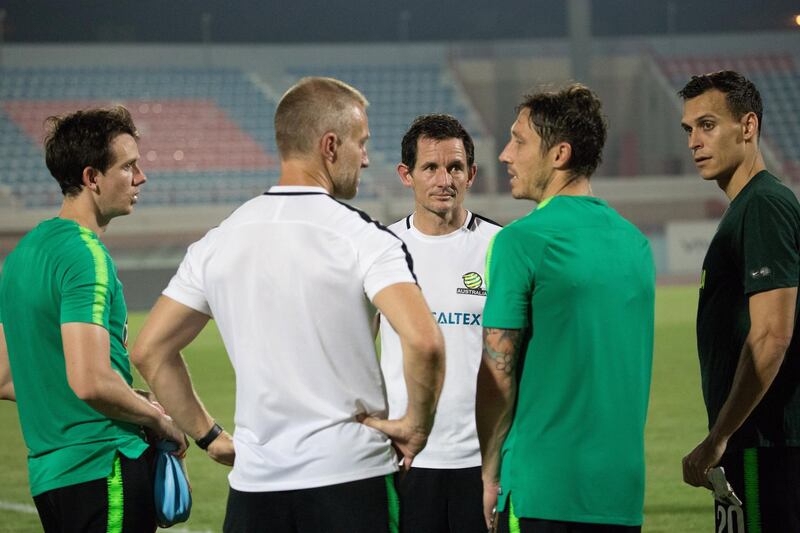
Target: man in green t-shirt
point(568, 336)
point(747, 314)
point(63, 336)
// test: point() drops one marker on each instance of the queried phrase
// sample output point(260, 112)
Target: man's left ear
point(750, 126)
point(89, 178)
point(329, 146)
point(562, 153)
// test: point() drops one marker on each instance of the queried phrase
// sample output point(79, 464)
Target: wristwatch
point(209, 437)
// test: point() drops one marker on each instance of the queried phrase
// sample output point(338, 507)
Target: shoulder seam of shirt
point(477, 217)
point(369, 220)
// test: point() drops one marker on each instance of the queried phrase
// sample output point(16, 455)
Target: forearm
point(111, 396)
point(496, 395)
point(494, 407)
point(424, 375)
point(759, 363)
point(172, 386)
point(170, 327)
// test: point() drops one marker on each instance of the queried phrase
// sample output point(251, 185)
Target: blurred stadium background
point(202, 79)
point(203, 93)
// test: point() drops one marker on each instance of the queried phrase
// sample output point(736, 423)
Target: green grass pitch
point(676, 422)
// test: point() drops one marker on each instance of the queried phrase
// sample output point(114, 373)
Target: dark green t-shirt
point(59, 273)
point(756, 248)
point(582, 280)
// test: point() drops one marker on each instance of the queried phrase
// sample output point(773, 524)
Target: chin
point(708, 174)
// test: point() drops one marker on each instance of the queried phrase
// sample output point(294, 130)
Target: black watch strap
point(209, 437)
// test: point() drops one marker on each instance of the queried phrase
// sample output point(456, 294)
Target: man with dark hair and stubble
point(564, 383)
point(63, 338)
point(442, 491)
point(747, 314)
point(288, 277)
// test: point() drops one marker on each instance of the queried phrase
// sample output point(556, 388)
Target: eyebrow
point(130, 161)
point(701, 118)
point(453, 162)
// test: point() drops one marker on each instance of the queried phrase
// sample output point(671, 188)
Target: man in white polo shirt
point(443, 491)
point(287, 277)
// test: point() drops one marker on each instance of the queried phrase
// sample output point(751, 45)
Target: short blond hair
point(309, 109)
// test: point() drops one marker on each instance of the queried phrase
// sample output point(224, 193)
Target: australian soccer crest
point(473, 284)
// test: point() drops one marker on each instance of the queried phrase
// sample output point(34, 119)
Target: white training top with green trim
point(450, 270)
point(287, 277)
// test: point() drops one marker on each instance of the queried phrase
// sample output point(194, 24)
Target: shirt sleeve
point(771, 244)
point(86, 283)
point(186, 286)
point(383, 260)
point(510, 281)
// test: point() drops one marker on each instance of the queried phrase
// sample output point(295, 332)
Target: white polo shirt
point(450, 272)
point(287, 277)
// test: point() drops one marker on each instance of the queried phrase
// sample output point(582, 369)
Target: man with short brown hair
point(63, 338)
point(564, 383)
point(442, 491)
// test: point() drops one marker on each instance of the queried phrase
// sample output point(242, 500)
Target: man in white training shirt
point(443, 491)
point(287, 278)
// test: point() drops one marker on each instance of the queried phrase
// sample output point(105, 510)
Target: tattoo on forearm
point(502, 347)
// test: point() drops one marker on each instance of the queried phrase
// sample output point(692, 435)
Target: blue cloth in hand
point(172, 492)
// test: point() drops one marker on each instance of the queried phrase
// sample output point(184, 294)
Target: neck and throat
point(562, 184)
point(732, 184)
point(300, 172)
point(433, 223)
point(82, 209)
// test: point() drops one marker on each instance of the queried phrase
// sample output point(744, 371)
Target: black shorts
point(441, 500)
point(121, 503)
point(364, 506)
point(767, 481)
point(537, 525)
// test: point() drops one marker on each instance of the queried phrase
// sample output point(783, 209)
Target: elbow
point(782, 345)
point(139, 358)
point(777, 342)
point(85, 388)
point(7, 389)
point(137, 355)
point(86, 393)
point(431, 348)
point(769, 349)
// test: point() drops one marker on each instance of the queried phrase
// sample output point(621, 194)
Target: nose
point(503, 157)
point(444, 177)
point(694, 140)
point(139, 176)
point(364, 159)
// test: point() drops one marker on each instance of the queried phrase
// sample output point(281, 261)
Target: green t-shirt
point(581, 280)
point(756, 248)
point(60, 272)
